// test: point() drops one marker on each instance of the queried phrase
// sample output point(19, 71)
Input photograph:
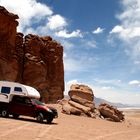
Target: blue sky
point(100, 38)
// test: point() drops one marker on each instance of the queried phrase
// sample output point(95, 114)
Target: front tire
point(49, 120)
point(4, 113)
point(40, 118)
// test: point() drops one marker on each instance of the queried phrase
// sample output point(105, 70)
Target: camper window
point(19, 89)
point(5, 90)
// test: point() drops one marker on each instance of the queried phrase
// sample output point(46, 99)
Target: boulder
point(68, 109)
point(81, 91)
point(82, 101)
point(111, 113)
point(85, 109)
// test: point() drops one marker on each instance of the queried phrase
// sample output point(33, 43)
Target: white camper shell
point(9, 89)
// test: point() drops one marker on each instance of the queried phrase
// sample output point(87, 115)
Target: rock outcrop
point(111, 113)
point(81, 91)
point(8, 61)
point(81, 101)
point(32, 60)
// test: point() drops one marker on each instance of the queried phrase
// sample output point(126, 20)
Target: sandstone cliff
point(32, 60)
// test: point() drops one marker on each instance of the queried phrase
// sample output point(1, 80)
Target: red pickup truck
point(28, 107)
point(16, 100)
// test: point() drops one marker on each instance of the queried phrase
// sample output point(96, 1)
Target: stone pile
point(81, 102)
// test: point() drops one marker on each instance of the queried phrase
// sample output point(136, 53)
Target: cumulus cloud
point(64, 33)
point(126, 33)
point(117, 29)
point(56, 22)
point(128, 30)
point(134, 82)
point(29, 11)
point(98, 30)
point(38, 18)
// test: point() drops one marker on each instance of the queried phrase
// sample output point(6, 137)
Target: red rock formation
point(33, 60)
point(8, 61)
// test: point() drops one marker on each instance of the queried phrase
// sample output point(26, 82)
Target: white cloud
point(64, 33)
point(117, 29)
point(68, 84)
point(129, 29)
point(106, 87)
point(56, 22)
point(103, 81)
point(134, 82)
point(38, 18)
point(126, 33)
point(136, 62)
point(64, 55)
point(71, 82)
point(29, 11)
point(98, 30)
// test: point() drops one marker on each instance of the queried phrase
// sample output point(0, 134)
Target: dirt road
point(68, 128)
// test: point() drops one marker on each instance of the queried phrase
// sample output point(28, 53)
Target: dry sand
point(69, 127)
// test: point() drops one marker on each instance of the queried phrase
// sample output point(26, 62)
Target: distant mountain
point(98, 101)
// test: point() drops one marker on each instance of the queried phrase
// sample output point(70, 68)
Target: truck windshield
point(38, 102)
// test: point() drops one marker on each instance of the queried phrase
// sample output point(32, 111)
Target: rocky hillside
point(32, 60)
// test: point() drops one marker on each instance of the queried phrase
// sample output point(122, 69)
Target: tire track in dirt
point(113, 134)
point(14, 130)
point(43, 132)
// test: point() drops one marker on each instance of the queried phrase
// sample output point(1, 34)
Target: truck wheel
point(15, 116)
point(40, 118)
point(49, 119)
point(4, 113)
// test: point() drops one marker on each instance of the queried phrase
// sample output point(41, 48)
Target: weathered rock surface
point(8, 61)
point(83, 101)
point(68, 109)
point(81, 98)
point(33, 60)
point(81, 91)
point(111, 113)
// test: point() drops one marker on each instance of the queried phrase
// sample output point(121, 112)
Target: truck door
point(19, 105)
